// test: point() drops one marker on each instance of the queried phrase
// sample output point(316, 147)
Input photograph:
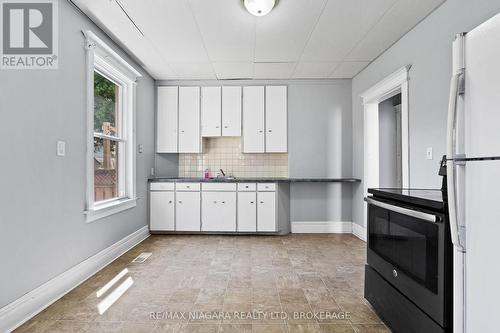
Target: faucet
point(222, 172)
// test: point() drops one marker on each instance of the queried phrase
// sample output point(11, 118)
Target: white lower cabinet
point(247, 211)
point(187, 211)
point(162, 211)
point(218, 211)
point(266, 211)
point(219, 207)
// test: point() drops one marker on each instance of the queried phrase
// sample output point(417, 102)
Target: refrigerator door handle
point(451, 154)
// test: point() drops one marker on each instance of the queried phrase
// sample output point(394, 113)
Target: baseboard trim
point(359, 231)
point(319, 227)
point(26, 307)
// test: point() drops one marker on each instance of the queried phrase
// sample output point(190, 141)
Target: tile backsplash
point(225, 153)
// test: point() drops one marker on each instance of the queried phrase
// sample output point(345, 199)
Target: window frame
point(101, 58)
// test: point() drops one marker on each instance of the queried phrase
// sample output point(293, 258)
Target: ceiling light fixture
point(259, 7)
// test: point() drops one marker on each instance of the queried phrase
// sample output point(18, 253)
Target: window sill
point(109, 208)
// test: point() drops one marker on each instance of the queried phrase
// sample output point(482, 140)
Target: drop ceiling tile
point(348, 69)
point(233, 70)
point(110, 17)
point(227, 29)
point(314, 70)
point(272, 70)
point(400, 19)
point(170, 26)
point(193, 71)
point(341, 26)
point(282, 34)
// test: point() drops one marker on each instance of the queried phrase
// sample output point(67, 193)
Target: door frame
point(393, 84)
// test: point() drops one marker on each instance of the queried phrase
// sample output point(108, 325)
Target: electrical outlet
point(152, 171)
point(429, 153)
point(61, 148)
point(140, 148)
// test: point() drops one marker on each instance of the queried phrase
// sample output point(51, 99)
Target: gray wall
point(42, 228)
point(319, 144)
point(428, 49)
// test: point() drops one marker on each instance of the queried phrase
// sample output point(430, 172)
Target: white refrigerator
point(473, 167)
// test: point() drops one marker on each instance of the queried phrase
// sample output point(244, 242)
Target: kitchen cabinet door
point(276, 119)
point(218, 211)
point(247, 211)
point(166, 126)
point(231, 111)
point(253, 119)
point(162, 212)
point(266, 211)
point(189, 120)
point(211, 111)
point(187, 211)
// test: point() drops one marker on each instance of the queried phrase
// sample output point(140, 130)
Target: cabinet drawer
point(187, 186)
point(162, 186)
point(266, 187)
point(246, 187)
point(231, 187)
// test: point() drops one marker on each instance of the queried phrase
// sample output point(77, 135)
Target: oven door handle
point(404, 211)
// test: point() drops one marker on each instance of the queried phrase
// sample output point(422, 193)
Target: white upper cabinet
point(253, 119)
point(166, 126)
point(231, 111)
point(189, 120)
point(211, 109)
point(276, 119)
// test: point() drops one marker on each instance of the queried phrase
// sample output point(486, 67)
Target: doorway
point(374, 99)
point(390, 164)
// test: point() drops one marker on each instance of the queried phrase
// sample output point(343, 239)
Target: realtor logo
point(29, 34)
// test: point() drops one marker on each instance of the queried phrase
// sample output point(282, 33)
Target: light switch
point(61, 148)
point(429, 153)
point(140, 148)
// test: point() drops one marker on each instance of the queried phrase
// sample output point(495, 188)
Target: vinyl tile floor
point(208, 283)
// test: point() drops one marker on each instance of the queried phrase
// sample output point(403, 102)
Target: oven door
point(407, 247)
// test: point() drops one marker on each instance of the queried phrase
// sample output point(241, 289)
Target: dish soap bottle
point(206, 174)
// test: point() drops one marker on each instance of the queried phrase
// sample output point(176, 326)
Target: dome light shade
point(259, 7)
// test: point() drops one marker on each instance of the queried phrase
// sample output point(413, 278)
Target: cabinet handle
point(225, 126)
point(215, 202)
point(182, 131)
point(223, 202)
point(251, 202)
point(170, 202)
point(260, 131)
point(180, 201)
point(270, 131)
point(262, 202)
point(187, 186)
point(216, 126)
point(246, 186)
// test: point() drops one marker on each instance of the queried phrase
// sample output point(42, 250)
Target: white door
point(247, 211)
point(219, 211)
point(482, 220)
point(253, 119)
point(187, 212)
point(482, 87)
point(161, 214)
point(166, 123)
point(211, 111)
point(266, 211)
point(276, 119)
point(231, 111)
point(189, 120)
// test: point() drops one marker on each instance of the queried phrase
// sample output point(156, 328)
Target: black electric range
point(408, 276)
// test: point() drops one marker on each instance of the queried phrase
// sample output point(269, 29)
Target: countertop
point(428, 198)
point(255, 180)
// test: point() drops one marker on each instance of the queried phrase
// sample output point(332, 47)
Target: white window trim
point(102, 58)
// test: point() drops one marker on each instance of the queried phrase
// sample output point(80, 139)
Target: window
point(110, 131)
